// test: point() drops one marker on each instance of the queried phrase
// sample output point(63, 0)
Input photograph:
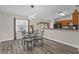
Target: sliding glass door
point(21, 25)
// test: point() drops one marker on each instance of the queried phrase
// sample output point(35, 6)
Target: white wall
point(7, 26)
point(51, 23)
point(69, 37)
point(0, 26)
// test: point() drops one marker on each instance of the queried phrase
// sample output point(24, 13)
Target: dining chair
point(29, 42)
point(39, 36)
point(26, 38)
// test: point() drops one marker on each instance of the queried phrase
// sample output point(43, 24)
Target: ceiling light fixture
point(64, 13)
point(33, 16)
point(32, 6)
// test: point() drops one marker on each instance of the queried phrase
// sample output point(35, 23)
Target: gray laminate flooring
point(49, 47)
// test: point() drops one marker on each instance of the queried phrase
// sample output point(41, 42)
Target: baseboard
point(62, 42)
point(6, 39)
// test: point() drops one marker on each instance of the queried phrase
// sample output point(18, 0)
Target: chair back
point(24, 34)
point(40, 33)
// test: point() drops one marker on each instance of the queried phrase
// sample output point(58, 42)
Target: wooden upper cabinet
point(75, 17)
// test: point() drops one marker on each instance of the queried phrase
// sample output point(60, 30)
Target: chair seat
point(28, 40)
point(37, 38)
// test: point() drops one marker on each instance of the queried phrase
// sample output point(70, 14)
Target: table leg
point(34, 42)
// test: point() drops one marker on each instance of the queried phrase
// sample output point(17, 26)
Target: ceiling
point(41, 11)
